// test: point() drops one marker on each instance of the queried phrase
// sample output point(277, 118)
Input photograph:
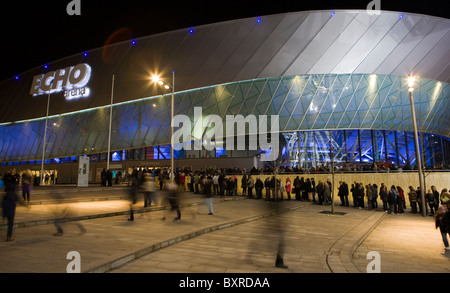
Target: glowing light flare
point(156, 79)
point(411, 81)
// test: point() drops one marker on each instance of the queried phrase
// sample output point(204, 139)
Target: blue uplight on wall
point(85, 54)
point(133, 42)
point(45, 66)
point(17, 77)
point(401, 16)
point(332, 13)
point(258, 20)
point(191, 31)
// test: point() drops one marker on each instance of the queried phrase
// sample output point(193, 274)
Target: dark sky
point(40, 31)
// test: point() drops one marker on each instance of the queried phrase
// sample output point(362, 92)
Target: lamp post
point(45, 138)
point(416, 142)
point(157, 79)
point(110, 122)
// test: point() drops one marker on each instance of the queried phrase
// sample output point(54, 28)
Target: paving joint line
point(329, 253)
point(119, 262)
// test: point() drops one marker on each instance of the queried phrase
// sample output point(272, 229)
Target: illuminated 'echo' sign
point(72, 80)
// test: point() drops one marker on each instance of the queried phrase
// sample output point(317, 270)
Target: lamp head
point(411, 81)
point(156, 78)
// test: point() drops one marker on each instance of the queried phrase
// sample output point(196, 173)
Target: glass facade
point(356, 118)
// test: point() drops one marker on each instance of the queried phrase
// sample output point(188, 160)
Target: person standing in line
point(392, 200)
point(431, 203)
point(196, 183)
point(354, 191)
point(161, 179)
point(360, 194)
point(288, 188)
point(187, 178)
point(281, 188)
point(412, 194)
point(374, 196)
point(244, 184)
point(297, 188)
point(259, 186)
point(313, 189)
point(384, 197)
point(326, 193)
point(215, 180)
point(320, 192)
point(330, 186)
point(103, 177)
point(267, 187)
point(401, 205)
point(250, 185)
point(419, 199)
point(369, 195)
point(272, 188)
point(445, 196)
point(436, 195)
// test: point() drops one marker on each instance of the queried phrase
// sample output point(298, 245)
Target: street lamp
point(411, 81)
point(45, 138)
point(166, 85)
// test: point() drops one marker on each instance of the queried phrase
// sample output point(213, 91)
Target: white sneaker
point(447, 248)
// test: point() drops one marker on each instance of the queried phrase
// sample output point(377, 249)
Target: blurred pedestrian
point(173, 198)
point(11, 181)
point(27, 178)
point(209, 199)
point(63, 214)
point(132, 192)
point(441, 222)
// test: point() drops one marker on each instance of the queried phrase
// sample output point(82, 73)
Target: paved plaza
point(242, 236)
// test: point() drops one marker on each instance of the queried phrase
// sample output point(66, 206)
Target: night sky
point(41, 31)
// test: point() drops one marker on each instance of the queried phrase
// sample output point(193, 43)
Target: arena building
point(336, 79)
